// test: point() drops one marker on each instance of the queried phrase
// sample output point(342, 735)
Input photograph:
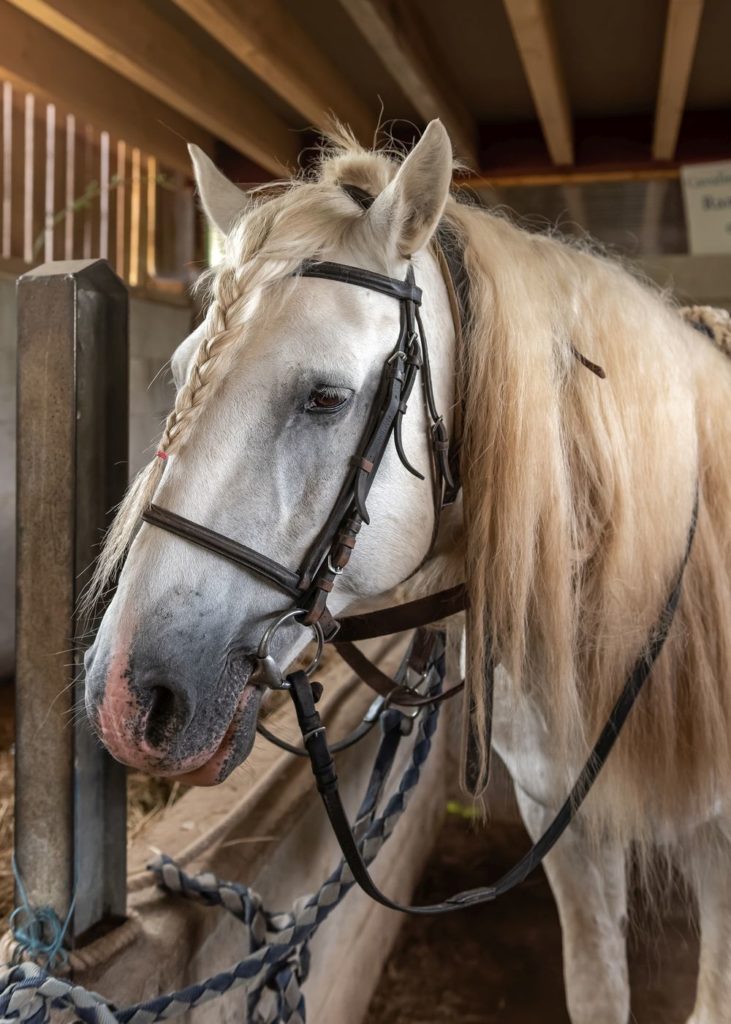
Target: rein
point(330, 553)
point(323, 769)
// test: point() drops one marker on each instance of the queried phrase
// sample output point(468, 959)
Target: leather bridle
point(417, 684)
point(330, 552)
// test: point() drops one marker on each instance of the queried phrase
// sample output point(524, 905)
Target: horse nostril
point(162, 716)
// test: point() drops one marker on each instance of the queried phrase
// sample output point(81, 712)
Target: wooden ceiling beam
point(568, 176)
point(400, 43)
point(38, 60)
point(132, 39)
point(267, 40)
point(535, 38)
point(681, 37)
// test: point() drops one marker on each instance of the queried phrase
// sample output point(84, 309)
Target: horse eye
point(327, 399)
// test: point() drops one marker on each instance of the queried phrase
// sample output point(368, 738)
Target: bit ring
point(263, 654)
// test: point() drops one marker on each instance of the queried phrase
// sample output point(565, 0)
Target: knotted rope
point(277, 965)
point(38, 931)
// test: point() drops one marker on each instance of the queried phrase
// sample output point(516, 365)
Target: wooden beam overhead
point(265, 38)
point(399, 41)
point(132, 39)
point(535, 38)
point(681, 37)
point(38, 60)
point(578, 176)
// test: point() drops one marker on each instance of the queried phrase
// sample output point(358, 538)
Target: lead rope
point(276, 967)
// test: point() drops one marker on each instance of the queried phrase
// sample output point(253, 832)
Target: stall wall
point(696, 280)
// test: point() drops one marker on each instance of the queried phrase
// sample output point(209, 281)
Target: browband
point(391, 286)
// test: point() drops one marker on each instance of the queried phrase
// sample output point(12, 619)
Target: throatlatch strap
point(422, 612)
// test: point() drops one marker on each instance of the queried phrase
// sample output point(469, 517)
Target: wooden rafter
point(138, 43)
point(399, 40)
point(579, 176)
point(535, 38)
point(40, 61)
point(264, 37)
point(681, 37)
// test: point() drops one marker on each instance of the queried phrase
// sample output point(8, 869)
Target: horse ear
point(222, 201)
point(410, 207)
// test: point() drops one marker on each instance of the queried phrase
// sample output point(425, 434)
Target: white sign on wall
point(707, 200)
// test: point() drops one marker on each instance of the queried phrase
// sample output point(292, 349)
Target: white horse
point(577, 502)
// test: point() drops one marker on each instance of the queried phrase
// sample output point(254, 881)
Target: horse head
point(274, 392)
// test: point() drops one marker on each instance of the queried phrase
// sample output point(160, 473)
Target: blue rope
point(278, 962)
point(38, 931)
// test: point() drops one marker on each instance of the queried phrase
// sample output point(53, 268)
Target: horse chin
point(233, 749)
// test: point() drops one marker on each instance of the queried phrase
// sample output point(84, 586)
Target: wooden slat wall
point(17, 163)
point(71, 190)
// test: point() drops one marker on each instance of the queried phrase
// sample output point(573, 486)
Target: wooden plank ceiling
point(530, 90)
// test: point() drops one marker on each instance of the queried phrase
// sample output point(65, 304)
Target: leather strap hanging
point(323, 768)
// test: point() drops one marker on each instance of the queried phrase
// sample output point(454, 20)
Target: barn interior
point(590, 120)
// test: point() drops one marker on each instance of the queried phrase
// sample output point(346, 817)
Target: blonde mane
point(571, 484)
point(578, 495)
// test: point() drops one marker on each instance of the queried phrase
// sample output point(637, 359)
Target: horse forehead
point(331, 317)
point(319, 319)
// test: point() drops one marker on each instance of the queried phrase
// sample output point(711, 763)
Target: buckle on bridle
point(334, 569)
point(267, 671)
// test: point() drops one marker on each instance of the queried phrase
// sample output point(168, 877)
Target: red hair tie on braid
point(160, 454)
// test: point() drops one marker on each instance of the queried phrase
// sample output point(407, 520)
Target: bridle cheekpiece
point(328, 556)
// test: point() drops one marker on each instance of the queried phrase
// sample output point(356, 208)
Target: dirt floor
point(501, 963)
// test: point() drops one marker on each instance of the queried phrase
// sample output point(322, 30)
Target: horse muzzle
point(172, 724)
